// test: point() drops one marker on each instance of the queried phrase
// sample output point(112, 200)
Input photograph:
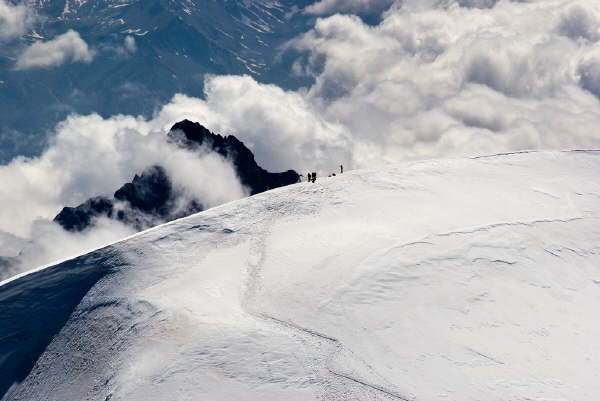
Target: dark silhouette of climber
point(308, 177)
point(341, 169)
point(314, 176)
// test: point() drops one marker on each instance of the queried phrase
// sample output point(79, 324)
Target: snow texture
point(471, 279)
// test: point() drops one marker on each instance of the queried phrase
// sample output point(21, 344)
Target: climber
point(341, 169)
point(314, 177)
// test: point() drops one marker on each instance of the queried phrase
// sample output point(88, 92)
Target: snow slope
point(461, 280)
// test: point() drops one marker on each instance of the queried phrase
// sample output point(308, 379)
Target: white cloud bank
point(14, 20)
point(66, 48)
point(440, 79)
point(433, 79)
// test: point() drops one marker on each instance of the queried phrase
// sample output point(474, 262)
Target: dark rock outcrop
point(147, 200)
point(193, 135)
point(151, 198)
point(80, 217)
point(149, 193)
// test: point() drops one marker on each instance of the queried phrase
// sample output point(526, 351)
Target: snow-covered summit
point(459, 280)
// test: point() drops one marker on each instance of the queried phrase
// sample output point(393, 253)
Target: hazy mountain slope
point(441, 280)
point(177, 42)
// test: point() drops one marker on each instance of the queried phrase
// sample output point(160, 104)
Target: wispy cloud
point(14, 20)
point(129, 44)
point(329, 7)
point(66, 48)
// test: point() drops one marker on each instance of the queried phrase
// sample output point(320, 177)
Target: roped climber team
point(312, 177)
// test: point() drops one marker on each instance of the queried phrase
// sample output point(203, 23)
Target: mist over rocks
point(80, 217)
point(252, 176)
point(147, 200)
point(151, 197)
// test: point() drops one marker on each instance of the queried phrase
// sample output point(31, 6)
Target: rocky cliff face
point(151, 198)
point(193, 135)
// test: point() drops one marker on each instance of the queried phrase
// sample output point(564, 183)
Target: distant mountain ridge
point(151, 198)
point(177, 42)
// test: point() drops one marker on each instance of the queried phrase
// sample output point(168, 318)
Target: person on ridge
point(341, 169)
point(314, 177)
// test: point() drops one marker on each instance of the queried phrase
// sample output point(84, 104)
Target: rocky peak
point(150, 197)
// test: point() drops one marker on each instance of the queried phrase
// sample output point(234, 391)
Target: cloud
point(10, 245)
point(590, 76)
point(580, 23)
point(448, 78)
point(14, 20)
point(91, 156)
point(129, 44)
point(122, 49)
point(282, 128)
point(329, 7)
point(477, 3)
point(66, 48)
point(51, 243)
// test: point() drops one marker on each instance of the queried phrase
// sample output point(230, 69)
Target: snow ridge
point(460, 280)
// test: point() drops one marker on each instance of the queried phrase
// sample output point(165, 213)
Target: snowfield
point(457, 280)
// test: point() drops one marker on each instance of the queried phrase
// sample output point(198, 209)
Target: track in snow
point(257, 255)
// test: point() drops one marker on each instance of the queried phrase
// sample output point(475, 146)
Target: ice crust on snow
point(461, 280)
